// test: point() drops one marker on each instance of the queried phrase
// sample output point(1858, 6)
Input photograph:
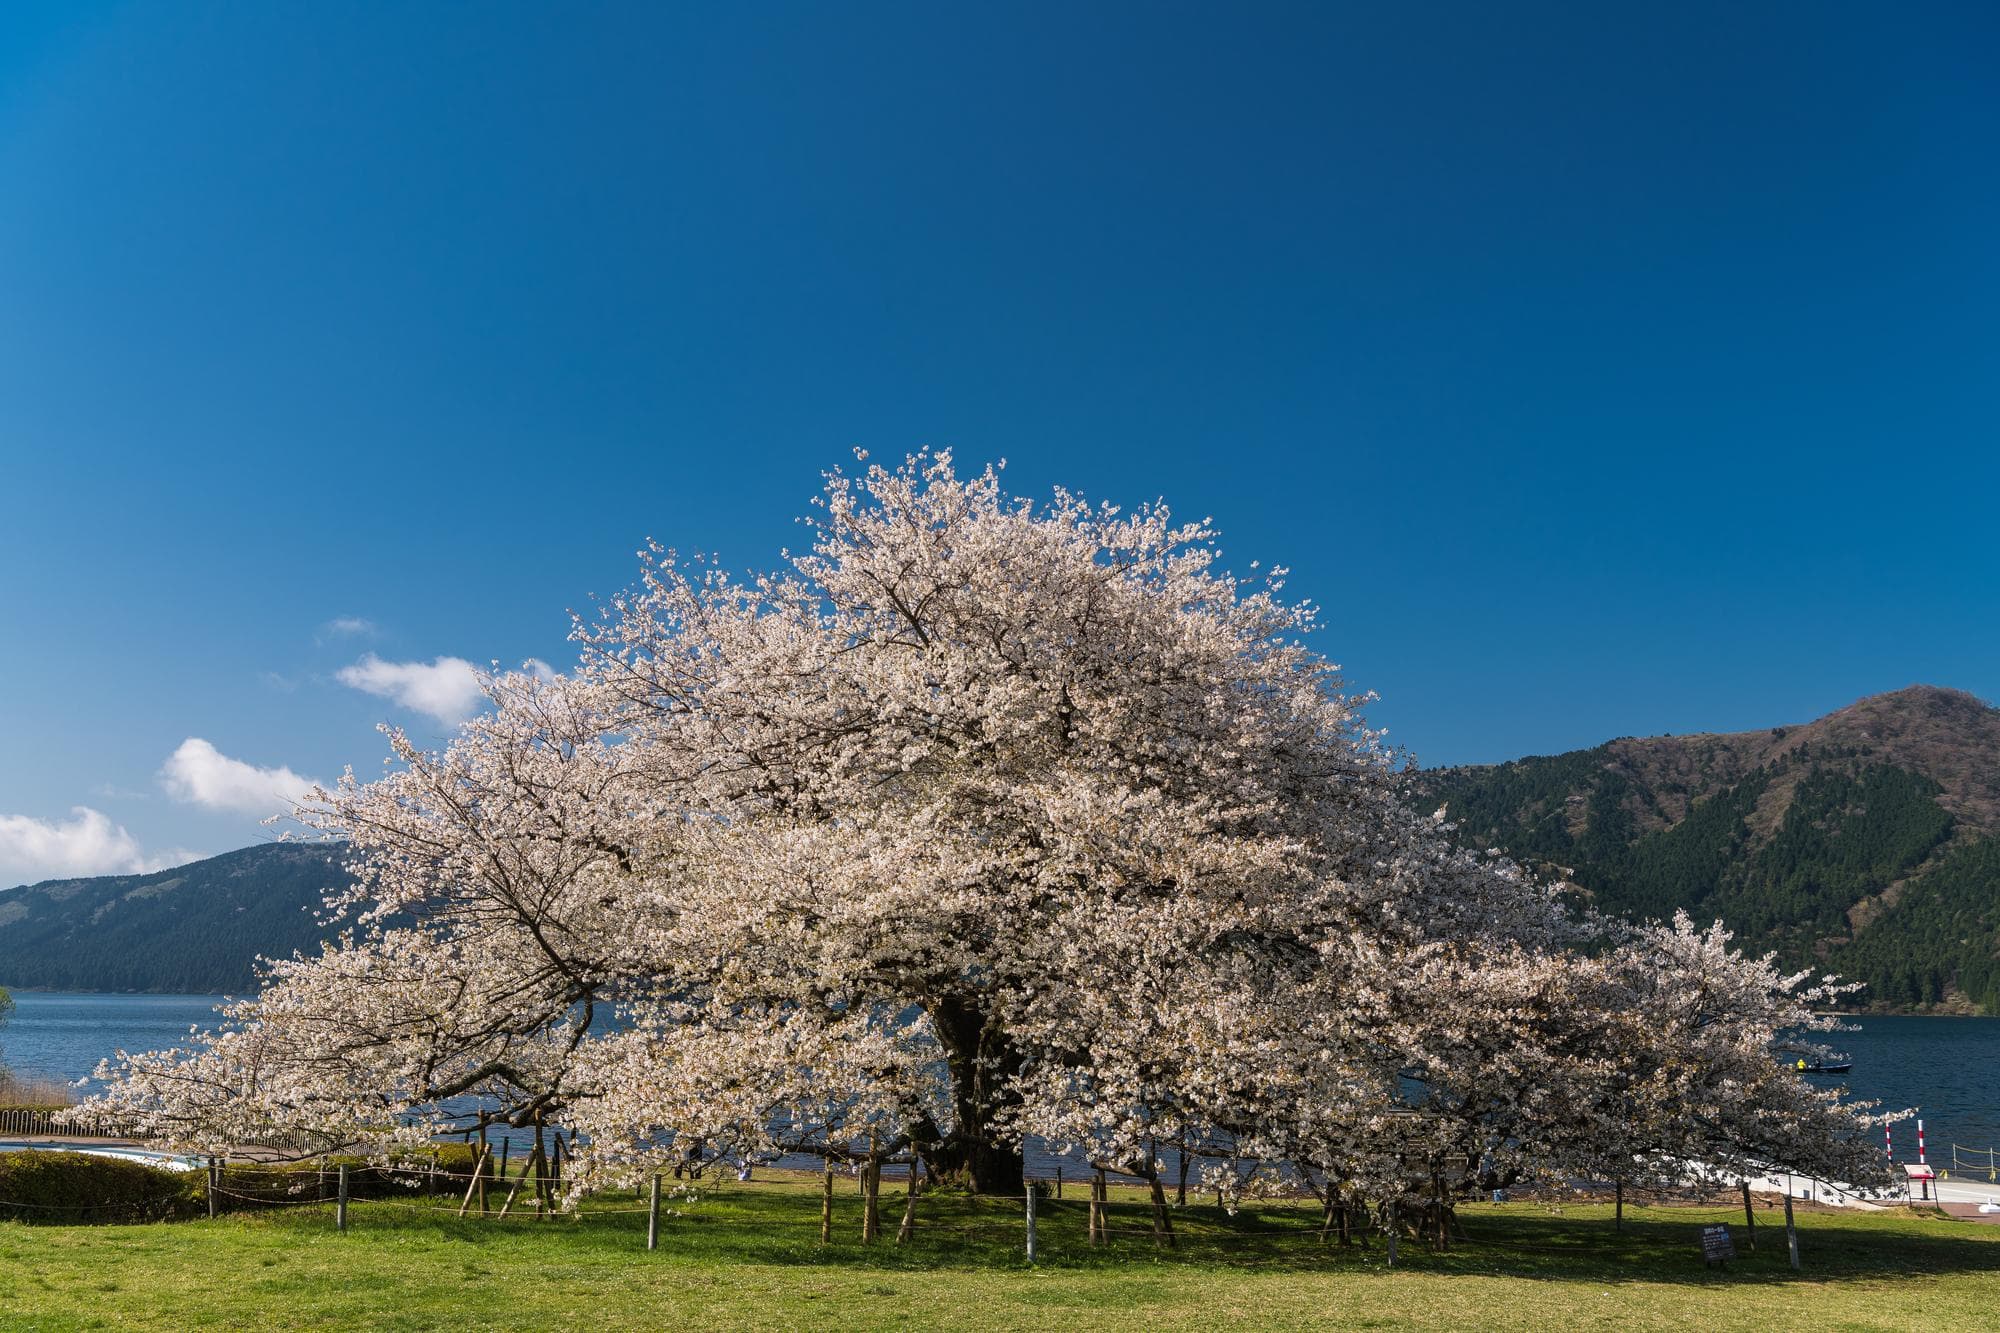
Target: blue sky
point(1603, 370)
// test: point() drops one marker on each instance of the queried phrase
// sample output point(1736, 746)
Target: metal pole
point(1791, 1232)
point(340, 1208)
point(1030, 1186)
point(1921, 1159)
point(653, 1216)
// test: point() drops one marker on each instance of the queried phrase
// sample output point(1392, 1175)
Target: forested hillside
point(196, 928)
point(1863, 842)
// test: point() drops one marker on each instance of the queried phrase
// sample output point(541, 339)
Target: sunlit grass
point(750, 1257)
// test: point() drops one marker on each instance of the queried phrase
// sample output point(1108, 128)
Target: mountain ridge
point(1867, 840)
point(195, 928)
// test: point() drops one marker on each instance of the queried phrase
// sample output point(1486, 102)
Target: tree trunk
point(910, 1201)
point(982, 1062)
point(1163, 1222)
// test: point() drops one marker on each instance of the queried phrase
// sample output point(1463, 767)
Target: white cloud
point(87, 843)
point(199, 773)
point(348, 627)
point(446, 689)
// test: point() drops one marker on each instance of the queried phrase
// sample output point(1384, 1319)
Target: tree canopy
point(982, 820)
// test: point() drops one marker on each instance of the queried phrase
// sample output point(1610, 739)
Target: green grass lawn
point(749, 1256)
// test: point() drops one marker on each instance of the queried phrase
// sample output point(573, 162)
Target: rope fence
point(1976, 1161)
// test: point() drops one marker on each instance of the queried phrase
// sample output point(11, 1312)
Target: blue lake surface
point(63, 1034)
point(1948, 1068)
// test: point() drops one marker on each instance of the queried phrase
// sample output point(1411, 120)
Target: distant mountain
point(1866, 843)
point(196, 928)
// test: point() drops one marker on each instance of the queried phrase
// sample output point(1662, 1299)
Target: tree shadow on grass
point(1657, 1245)
point(957, 1233)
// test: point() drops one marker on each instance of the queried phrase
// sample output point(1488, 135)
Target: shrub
point(85, 1187)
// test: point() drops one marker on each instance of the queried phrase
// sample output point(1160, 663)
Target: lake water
point(1947, 1067)
point(62, 1035)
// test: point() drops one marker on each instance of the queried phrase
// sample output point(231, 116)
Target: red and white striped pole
point(1889, 1144)
point(1920, 1143)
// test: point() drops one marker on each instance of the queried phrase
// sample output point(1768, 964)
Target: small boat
point(1825, 1069)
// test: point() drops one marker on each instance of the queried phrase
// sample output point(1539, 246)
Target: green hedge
point(71, 1187)
point(84, 1187)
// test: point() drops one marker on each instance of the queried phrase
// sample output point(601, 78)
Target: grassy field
point(750, 1257)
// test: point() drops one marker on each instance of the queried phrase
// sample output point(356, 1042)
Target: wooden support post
point(909, 1223)
point(472, 1186)
point(1791, 1231)
point(871, 1188)
point(481, 1172)
point(653, 1216)
point(1749, 1217)
point(1180, 1198)
point(214, 1186)
point(1099, 1197)
point(544, 1200)
point(506, 1149)
point(513, 1189)
point(1029, 1187)
point(1059, 1182)
point(826, 1206)
point(1163, 1222)
point(340, 1205)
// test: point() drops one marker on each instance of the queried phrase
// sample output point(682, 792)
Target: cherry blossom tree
point(979, 820)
